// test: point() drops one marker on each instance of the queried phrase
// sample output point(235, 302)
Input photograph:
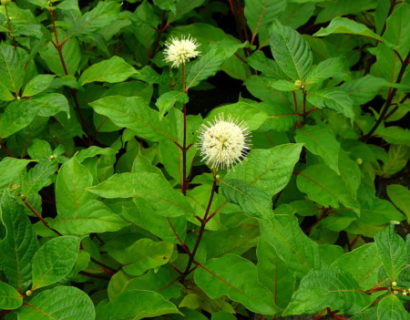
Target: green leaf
point(54, 260)
point(150, 304)
point(37, 85)
point(327, 192)
point(327, 288)
point(17, 116)
point(364, 89)
point(284, 85)
point(72, 181)
point(329, 68)
point(50, 104)
point(392, 250)
point(10, 170)
point(335, 99)
point(261, 13)
point(362, 263)
point(91, 217)
point(291, 51)
point(292, 246)
point(398, 29)
point(18, 245)
point(68, 303)
point(10, 299)
point(394, 135)
point(252, 200)
point(344, 8)
point(400, 196)
point(320, 140)
point(12, 67)
point(168, 99)
point(142, 255)
point(111, 70)
point(135, 114)
point(347, 26)
point(237, 278)
point(390, 307)
point(150, 186)
point(268, 169)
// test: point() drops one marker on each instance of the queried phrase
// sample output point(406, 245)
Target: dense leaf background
point(108, 212)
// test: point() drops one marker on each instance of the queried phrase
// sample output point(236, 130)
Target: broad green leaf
point(327, 287)
point(397, 158)
point(347, 26)
point(144, 254)
point(261, 13)
point(331, 191)
point(284, 85)
point(10, 299)
point(150, 304)
point(167, 100)
point(10, 170)
point(329, 68)
point(71, 52)
point(320, 140)
point(364, 89)
point(38, 84)
point(390, 307)
point(210, 63)
point(274, 273)
point(392, 250)
point(267, 66)
point(252, 200)
point(5, 94)
point(165, 200)
point(18, 245)
point(12, 67)
point(400, 196)
point(54, 260)
point(50, 104)
point(111, 70)
point(344, 8)
point(398, 29)
point(362, 263)
point(17, 116)
point(268, 169)
point(135, 114)
point(91, 217)
point(284, 235)
point(72, 181)
point(335, 99)
point(291, 51)
point(237, 278)
point(68, 303)
point(394, 135)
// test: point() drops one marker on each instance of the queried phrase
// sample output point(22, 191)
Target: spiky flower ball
point(178, 51)
point(223, 143)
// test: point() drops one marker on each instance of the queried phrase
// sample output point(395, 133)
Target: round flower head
point(180, 50)
point(223, 143)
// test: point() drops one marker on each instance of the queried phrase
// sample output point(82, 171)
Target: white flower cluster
point(178, 51)
point(223, 143)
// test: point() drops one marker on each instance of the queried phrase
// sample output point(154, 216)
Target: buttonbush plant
point(204, 159)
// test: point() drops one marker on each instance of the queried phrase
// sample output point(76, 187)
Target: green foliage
point(111, 114)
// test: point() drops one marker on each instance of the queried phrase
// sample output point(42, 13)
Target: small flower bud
point(29, 293)
point(5, 2)
point(359, 161)
point(394, 283)
point(299, 84)
point(404, 293)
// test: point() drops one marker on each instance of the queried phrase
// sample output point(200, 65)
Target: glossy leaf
point(9, 297)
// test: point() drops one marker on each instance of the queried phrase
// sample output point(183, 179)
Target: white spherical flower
point(223, 143)
point(180, 50)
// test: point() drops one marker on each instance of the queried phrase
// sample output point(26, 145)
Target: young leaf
point(320, 140)
point(18, 246)
point(111, 70)
point(392, 251)
point(54, 260)
point(165, 200)
point(12, 65)
point(68, 303)
point(10, 170)
point(150, 304)
point(327, 288)
point(329, 68)
point(9, 297)
point(237, 278)
point(268, 169)
point(291, 51)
